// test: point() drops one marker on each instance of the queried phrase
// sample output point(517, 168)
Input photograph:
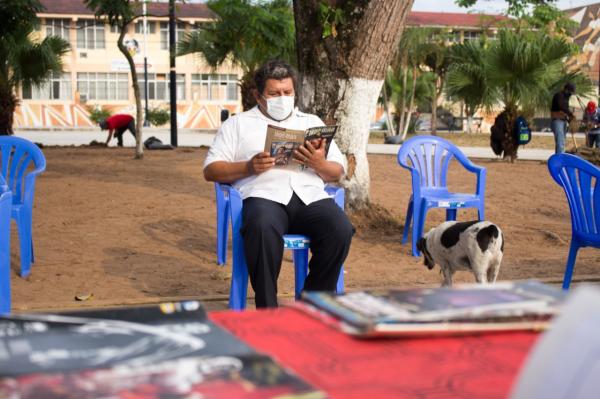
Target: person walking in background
point(118, 124)
point(561, 115)
point(592, 120)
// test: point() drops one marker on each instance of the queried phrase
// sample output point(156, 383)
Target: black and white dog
point(476, 246)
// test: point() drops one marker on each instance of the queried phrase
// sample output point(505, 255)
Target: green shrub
point(98, 113)
point(158, 116)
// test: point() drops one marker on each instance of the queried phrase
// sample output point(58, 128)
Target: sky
point(486, 6)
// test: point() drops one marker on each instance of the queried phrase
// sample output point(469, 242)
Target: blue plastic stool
point(231, 201)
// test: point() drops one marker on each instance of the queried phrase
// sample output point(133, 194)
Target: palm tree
point(523, 70)
point(23, 59)
point(466, 80)
point(248, 34)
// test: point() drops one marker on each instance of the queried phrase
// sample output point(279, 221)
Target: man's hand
point(311, 154)
point(260, 163)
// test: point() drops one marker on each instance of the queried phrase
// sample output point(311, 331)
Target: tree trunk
point(8, 104)
point(247, 87)
point(139, 149)
point(469, 123)
point(509, 143)
point(411, 103)
point(402, 109)
point(388, 118)
point(341, 75)
point(434, 102)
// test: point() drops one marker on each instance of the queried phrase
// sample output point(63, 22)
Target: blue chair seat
point(229, 207)
point(580, 181)
point(442, 198)
point(428, 158)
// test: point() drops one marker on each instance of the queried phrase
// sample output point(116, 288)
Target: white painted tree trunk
point(357, 107)
point(469, 123)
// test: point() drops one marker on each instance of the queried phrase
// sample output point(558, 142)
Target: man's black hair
point(103, 124)
point(273, 69)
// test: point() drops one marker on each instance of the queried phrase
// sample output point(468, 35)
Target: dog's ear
point(422, 244)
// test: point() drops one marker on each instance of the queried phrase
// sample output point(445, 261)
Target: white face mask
point(279, 108)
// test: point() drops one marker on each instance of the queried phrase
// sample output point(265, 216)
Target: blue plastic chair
point(21, 162)
point(427, 158)
point(581, 181)
point(229, 203)
point(5, 207)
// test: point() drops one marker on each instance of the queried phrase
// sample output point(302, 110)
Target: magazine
point(281, 142)
point(461, 309)
point(170, 350)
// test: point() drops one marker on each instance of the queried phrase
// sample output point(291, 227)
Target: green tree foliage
point(247, 33)
point(550, 19)
point(24, 60)
point(516, 8)
point(98, 113)
point(158, 116)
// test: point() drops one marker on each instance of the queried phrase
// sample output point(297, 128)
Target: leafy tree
point(516, 8)
point(466, 80)
point(24, 60)
point(436, 59)
point(524, 70)
point(120, 14)
point(247, 33)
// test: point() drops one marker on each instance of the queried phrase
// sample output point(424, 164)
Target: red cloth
point(118, 121)
point(482, 366)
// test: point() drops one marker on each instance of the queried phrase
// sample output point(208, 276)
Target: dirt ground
point(130, 231)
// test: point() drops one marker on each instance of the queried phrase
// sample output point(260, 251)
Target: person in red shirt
point(118, 124)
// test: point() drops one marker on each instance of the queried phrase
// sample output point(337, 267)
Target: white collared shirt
point(243, 136)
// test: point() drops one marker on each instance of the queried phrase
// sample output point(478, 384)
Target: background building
point(97, 74)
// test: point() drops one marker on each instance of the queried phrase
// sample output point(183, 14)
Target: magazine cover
point(281, 142)
point(154, 351)
point(470, 307)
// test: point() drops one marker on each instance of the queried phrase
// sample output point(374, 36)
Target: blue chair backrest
point(428, 158)
point(18, 155)
point(581, 181)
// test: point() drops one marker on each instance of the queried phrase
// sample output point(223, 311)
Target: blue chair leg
point(25, 243)
point(222, 233)
point(339, 289)
point(239, 275)
point(5, 282)
point(481, 212)
point(570, 264)
point(409, 213)
point(418, 226)
point(300, 269)
point(451, 214)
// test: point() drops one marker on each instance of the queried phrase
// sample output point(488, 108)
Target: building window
point(90, 35)
point(471, 35)
point(103, 86)
point(58, 27)
point(114, 29)
point(454, 37)
point(150, 27)
point(214, 87)
point(164, 34)
point(158, 86)
point(58, 87)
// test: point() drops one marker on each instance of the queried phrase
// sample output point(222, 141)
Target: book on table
point(171, 350)
point(281, 142)
point(463, 309)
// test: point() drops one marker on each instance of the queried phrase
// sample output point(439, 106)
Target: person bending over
point(118, 124)
point(279, 201)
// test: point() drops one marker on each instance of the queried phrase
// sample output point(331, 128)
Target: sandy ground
point(130, 231)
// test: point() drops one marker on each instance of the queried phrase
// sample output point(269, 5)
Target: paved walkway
point(193, 138)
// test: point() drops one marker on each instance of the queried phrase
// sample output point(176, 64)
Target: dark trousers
point(119, 132)
point(265, 222)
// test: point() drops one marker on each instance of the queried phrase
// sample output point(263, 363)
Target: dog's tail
point(490, 236)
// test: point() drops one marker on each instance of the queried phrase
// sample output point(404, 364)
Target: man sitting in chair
point(281, 201)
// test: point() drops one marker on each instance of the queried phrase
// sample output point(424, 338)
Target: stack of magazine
point(167, 351)
point(466, 309)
